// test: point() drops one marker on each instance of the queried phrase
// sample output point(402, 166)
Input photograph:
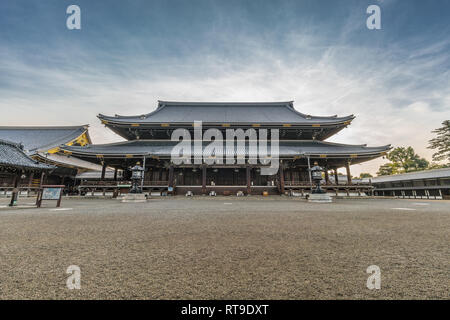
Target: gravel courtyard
point(226, 248)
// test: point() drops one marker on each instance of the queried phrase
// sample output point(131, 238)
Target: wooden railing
point(307, 183)
point(156, 183)
point(101, 183)
point(4, 190)
point(115, 183)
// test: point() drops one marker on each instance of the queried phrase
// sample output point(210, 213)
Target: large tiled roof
point(226, 112)
point(12, 155)
point(425, 174)
point(163, 148)
point(36, 139)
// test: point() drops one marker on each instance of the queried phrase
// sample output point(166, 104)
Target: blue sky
point(318, 53)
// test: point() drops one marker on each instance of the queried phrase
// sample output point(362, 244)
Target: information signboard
point(50, 192)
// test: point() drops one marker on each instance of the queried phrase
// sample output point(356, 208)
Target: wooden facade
point(149, 142)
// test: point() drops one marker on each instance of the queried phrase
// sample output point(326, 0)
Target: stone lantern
point(318, 194)
point(137, 174)
point(316, 176)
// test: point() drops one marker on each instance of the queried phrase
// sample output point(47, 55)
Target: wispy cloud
point(398, 91)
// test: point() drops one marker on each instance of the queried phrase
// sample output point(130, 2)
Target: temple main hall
point(148, 141)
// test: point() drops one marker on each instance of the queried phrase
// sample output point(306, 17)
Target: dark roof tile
point(12, 155)
point(41, 138)
point(163, 148)
point(226, 112)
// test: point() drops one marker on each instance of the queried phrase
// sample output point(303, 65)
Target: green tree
point(403, 160)
point(387, 169)
point(407, 160)
point(363, 175)
point(441, 143)
point(435, 165)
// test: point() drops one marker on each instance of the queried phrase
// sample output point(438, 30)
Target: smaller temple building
point(42, 143)
point(427, 184)
point(17, 170)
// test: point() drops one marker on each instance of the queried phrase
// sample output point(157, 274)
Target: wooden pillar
point(103, 171)
point(281, 172)
point(349, 176)
point(203, 179)
point(15, 191)
point(41, 182)
point(309, 173)
point(115, 174)
point(30, 182)
point(336, 180)
point(327, 177)
point(143, 174)
point(171, 177)
point(41, 179)
point(248, 175)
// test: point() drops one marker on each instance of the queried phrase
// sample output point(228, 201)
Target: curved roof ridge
point(68, 137)
point(165, 140)
point(286, 104)
point(11, 143)
point(118, 116)
point(118, 143)
point(162, 104)
point(35, 138)
point(309, 116)
point(344, 144)
point(218, 103)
